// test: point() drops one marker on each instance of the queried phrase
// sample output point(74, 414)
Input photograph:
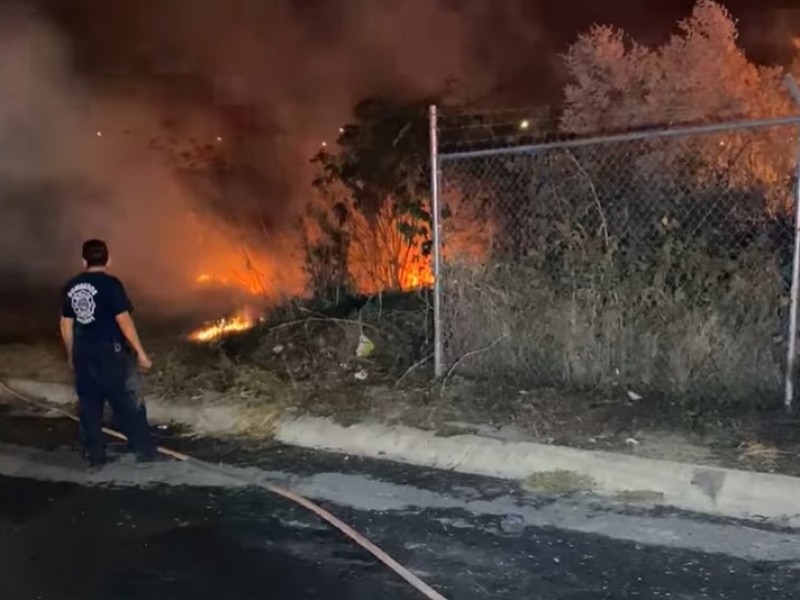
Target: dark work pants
point(105, 372)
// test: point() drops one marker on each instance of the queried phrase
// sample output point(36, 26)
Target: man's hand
point(66, 335)
point(145, 364)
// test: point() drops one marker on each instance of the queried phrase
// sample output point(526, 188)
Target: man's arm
point(122, 313)
point(128, 327)
point(66, 326)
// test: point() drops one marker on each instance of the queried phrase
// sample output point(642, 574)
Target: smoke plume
point(68, 172)
point(89, 84)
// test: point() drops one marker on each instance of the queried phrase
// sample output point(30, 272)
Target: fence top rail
point(669, 132)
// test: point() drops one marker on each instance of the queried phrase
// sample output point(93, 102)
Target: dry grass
point(303, 362)
point(760, 453)
point(716, 352)
point(558, 482)
point(636, 266)
point(41, 361)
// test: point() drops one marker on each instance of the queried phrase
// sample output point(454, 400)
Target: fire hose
point(320, 512)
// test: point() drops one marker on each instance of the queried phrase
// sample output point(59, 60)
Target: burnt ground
point(73, 540)
point(304, 363)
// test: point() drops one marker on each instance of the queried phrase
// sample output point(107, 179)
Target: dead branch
point(593, 189)
point(321, 319)
point(417, 364)
point(470, 354)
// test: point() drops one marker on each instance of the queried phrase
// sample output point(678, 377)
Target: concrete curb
point(208, 420)
point(723, 492)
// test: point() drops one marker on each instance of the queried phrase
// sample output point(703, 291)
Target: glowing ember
point(213, 331)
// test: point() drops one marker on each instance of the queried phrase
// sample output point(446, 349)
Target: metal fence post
point(791, 353)
point(438, 358)
point(791, 356)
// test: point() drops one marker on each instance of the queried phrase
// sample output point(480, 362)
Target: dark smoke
point(272, 79)
point(66, 173)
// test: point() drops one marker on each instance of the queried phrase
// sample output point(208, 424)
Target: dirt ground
point(306, 363)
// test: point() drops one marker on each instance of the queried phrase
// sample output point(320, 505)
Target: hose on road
point(320, 512)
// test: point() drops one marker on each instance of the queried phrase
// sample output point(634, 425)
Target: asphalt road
point(175, 535)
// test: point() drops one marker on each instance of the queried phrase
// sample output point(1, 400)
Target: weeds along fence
point(658, 262)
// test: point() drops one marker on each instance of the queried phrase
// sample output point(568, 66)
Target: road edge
point(698, 488)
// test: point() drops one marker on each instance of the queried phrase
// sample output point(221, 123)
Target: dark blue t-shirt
point(94, 299)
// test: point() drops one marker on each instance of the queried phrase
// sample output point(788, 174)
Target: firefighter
point(103, 349)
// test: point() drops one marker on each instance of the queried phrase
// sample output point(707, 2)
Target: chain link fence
point(657, 262)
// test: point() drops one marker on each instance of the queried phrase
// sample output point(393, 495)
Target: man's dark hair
point(95, 253)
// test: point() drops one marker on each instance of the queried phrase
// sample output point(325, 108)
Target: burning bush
point(369, 227)
point(388, 250)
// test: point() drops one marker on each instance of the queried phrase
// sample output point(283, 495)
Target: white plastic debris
point(277, 349)
point(634, 396)
point(632, 442)
point(361, 375)
point(365, 347)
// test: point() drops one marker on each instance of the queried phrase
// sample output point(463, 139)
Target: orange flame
point(379, 258)
point(252, 283)
point(222, 327)
point(417, 275)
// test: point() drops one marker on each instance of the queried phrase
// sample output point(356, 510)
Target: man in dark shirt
point(99, 335)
